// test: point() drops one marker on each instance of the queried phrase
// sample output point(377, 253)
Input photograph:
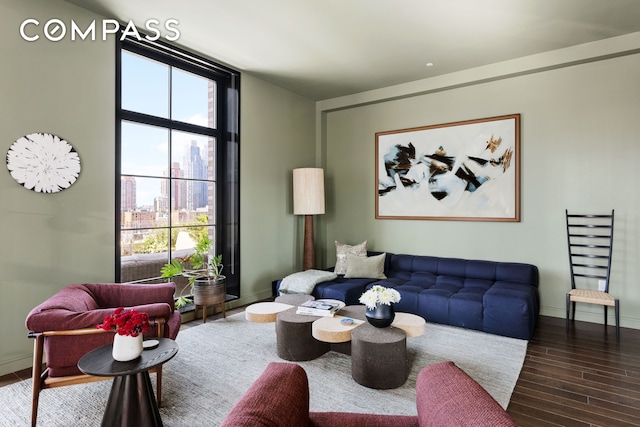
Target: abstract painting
point(461, 171)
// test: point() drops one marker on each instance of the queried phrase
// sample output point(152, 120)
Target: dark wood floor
point(583, 379)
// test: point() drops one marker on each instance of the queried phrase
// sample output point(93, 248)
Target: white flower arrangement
point(379, 295)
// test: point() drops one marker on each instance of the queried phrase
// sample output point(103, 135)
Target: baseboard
point(592, 317)
point(16, 364)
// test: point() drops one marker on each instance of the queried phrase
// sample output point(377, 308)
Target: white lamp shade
point(308, 191)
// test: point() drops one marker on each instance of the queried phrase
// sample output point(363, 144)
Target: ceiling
point(324, 49)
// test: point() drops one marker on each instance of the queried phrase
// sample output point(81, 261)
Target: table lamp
point(308, 200)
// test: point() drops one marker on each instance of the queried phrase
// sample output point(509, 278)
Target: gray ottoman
point(379, 357)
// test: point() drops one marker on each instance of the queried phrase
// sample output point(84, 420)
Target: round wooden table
point(131, 402)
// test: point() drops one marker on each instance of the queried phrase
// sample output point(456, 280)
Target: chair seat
point(591, 297)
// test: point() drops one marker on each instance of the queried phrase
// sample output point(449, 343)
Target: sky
point(145, 89)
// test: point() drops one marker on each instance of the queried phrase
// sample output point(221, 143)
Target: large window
point(177, 160)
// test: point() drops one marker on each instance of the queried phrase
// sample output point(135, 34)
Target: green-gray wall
point(53, 240)
point(580, 147)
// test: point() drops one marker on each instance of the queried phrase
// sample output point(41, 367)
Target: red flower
point(123, 322)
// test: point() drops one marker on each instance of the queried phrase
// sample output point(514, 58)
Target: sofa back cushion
point(405, 266)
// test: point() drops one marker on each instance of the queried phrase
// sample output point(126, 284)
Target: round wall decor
point(43, 162)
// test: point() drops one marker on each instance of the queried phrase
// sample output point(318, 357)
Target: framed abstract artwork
point(461, 171)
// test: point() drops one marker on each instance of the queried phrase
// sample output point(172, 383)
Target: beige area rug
point(219, 360)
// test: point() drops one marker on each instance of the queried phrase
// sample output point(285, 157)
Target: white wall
point(579, 150)
point(53, 240)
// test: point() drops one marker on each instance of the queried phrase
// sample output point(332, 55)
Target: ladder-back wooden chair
point(590, 242)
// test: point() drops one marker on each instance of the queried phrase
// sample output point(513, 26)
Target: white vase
point(126, 347)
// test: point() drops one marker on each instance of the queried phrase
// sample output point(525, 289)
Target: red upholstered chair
point(64, 328)
point(445, 396)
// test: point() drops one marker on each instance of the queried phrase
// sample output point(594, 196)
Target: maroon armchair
point(64, 328)
point(445, 396)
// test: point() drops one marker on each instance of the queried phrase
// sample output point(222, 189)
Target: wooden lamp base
point(308, 254)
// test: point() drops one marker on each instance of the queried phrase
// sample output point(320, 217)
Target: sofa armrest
point(446, 395)
point(279, 397)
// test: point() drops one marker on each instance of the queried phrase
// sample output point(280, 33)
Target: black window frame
point(227, 134)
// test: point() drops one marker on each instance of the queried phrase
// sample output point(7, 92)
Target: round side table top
point(100, 362)
point(332, 330)
point(265, 312)
point(411, 324)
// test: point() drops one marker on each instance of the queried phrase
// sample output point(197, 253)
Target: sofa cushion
point(365, 267)
point(347, 290)
point(341, 254)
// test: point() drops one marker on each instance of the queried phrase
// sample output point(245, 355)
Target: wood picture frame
point(461, 171)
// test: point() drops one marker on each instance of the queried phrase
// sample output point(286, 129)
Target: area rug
point(219, 360)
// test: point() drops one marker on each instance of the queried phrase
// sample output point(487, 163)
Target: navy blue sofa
point(495, 297)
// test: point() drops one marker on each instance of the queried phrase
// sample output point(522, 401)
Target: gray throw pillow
point(368, 267)
point(341, 255)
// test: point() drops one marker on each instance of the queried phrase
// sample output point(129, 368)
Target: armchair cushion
point(446, 395)
point(263, 405)
point(353, 419)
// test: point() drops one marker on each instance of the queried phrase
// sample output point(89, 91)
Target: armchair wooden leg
point(160, 322)
point(36, 373)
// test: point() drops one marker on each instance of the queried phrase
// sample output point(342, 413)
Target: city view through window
point(167, 162)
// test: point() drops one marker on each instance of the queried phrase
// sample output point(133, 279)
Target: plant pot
point(209, 291)
point(126, 347)
point(382, 316)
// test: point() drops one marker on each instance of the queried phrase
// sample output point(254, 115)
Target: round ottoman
point(379, 357)
point(294, 339)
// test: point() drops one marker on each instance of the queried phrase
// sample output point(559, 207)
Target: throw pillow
point(341, 255)
point(368, 267)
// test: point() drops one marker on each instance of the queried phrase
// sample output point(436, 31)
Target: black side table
point(131, 402)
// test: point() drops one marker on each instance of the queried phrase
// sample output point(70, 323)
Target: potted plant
point(208, 285)
point(130, 327)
